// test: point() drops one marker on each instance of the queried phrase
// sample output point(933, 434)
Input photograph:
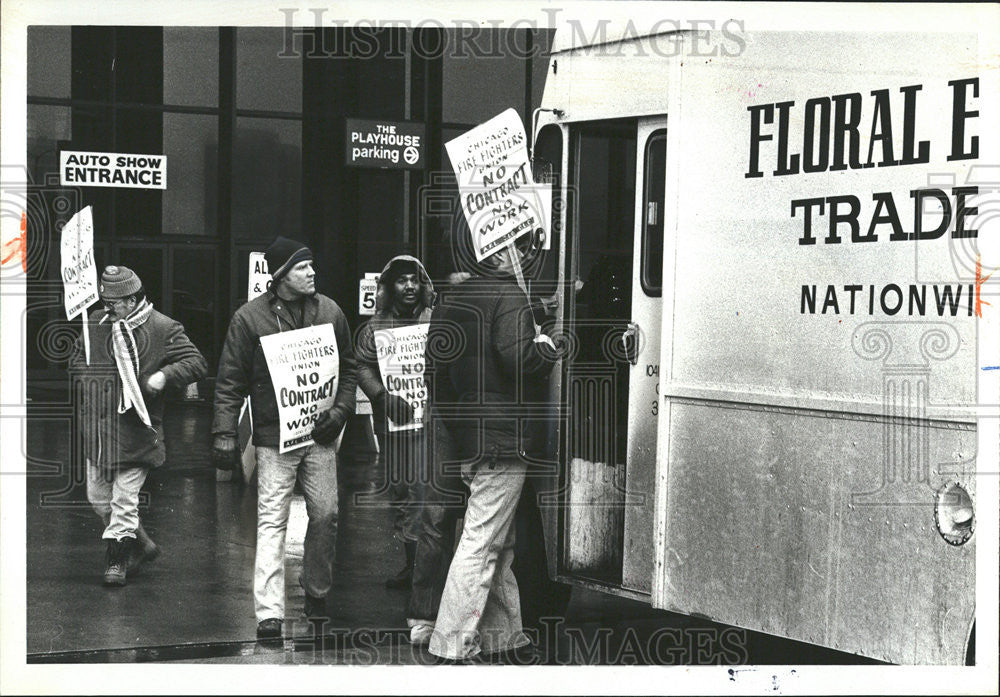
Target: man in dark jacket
point(291, 303)
point(404, 298)
point(482, 393)
point(136, 352)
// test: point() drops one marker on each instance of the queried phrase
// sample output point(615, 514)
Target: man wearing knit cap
point(290, 303)
point(136, 352)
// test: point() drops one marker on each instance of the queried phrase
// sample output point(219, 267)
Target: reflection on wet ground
point(194, 603)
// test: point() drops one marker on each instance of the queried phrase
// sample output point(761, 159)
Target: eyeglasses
point(111, 304)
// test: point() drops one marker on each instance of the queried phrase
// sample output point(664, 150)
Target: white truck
point(767, 245)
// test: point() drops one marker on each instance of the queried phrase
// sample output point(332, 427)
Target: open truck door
point(611, 266)
point(817, 441)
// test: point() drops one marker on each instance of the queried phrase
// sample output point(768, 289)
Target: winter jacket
point(386, 317)
point(487, 376)
point(111, 439)
point(243, 369)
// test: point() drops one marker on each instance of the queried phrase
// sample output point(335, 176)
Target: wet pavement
point(194, 603)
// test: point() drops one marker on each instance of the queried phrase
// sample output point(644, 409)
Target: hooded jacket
point(387, 317)
point(243, 368)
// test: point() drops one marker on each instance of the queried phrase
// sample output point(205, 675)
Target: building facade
point(252, 123)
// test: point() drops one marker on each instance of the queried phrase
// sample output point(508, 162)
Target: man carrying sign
point(290, 303)
point(486, 390)
point(136, 353)
point(404, 298)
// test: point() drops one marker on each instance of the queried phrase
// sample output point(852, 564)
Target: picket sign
point(304, 365)
point(79, 271)
point(400, 354)
point(498, 194)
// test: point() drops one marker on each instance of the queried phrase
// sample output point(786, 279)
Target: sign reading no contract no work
point(384, 144)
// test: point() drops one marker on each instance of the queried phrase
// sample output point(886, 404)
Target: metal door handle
point(630, 342)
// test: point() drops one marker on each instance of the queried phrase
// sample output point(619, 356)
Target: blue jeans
point(114, 494)
point(481, 608)
point(316, 468)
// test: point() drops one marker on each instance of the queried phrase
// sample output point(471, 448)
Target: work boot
point(420, 632)
point(315, 608)
point(269, 628)
point(405, 575)
point(116, 560)
point(143, 551)
point(315, 614)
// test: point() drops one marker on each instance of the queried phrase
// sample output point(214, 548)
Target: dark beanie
point(283, 254)
point(118, 282)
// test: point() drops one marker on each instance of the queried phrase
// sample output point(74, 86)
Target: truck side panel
point(817, 394)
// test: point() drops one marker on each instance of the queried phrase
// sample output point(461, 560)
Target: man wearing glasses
point(136, 352)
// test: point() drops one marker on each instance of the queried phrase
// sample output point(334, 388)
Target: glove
point(328, 427)
point(398, 409)
point(225, 454)
point(545, 339)
point(157, 381)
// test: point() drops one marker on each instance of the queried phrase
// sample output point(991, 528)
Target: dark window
point(463, 77)
point(654, 171)
point(49, 128)
point(195, 303)
point(190, 202)
point(265, 80)
point(49, 61)
point(605, 203)
point(139, 212)
point(187, 52)
point(138, 65)
point(546, 166)
point(268, 203)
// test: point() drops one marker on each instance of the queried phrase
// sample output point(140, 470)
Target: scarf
point(127, 360)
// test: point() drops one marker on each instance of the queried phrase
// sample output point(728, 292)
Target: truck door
point(609, 384)
point(643, 348)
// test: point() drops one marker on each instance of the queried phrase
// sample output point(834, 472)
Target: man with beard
point(404, 298)
point(290, 303)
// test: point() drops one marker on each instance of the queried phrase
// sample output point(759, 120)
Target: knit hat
point(283, 254)
point(118, 282)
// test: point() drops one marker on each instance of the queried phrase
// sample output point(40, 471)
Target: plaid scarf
point(127, 359)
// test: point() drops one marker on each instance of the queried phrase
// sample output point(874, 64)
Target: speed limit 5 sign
point(367, 288)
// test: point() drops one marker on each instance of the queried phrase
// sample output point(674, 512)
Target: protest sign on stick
point(304, 366)
point(401, 362)
point(499, 197)
point(79, 271)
